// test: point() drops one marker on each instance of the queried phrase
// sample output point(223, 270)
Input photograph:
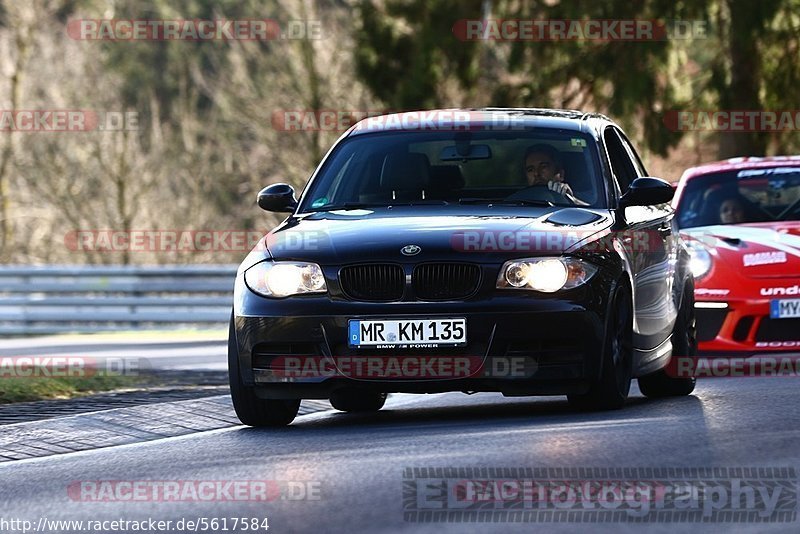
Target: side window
point(620, 161)
point(637, 161)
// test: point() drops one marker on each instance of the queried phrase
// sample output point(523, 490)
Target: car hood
point(757, 250)
point(360, 236)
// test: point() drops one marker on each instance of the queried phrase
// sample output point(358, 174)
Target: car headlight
point(547, 275)
point(285, 278)
point(700, 259)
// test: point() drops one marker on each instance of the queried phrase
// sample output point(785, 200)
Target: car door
point(648, 240)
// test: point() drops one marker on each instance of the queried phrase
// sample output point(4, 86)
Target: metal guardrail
point(52, 299)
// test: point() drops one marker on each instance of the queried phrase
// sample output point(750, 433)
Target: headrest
point(405, 172)
point(446, 177)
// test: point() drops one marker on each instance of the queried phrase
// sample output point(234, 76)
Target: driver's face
point(731, 212)
point(540, 169)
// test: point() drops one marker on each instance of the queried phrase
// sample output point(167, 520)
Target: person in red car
point(731, 211)
point(726, 206)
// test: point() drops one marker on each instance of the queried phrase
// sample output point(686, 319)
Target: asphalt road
point(208, 352)
point(353, 466)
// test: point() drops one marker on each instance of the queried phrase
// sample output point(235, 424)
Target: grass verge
point(22, 389)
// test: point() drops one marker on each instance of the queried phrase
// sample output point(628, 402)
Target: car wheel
point(611, 391)
point(348, 400)
point(684, 344)
point(251, 409)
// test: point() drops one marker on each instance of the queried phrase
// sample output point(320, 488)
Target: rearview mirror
point(277, 198)
point(465, 151)
point(647, 191)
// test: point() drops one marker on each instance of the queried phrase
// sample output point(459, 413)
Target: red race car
point(740, 219)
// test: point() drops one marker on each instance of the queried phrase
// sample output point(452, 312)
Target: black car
point(520, 251)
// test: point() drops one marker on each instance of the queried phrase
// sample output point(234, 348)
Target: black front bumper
point(518, 343)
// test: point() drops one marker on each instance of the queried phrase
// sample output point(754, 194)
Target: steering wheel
point(539, 192)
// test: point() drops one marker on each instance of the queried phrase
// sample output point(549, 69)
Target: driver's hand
point(560, 187)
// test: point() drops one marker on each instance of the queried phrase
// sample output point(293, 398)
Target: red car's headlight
point(700, 261)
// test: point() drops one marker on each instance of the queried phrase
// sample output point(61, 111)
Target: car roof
point(733, 164)
point(568, 119)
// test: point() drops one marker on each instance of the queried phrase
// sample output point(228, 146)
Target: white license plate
point(411, 333)
point(784, 309)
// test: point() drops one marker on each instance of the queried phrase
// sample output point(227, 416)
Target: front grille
point(445, 281)
point(778, 330)
point(375, 283)
point(709, 321)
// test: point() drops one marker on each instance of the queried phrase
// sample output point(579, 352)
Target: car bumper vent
point(743, 328)
point(709, 321)
point(778, 330)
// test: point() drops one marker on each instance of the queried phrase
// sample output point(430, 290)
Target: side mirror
point(278, 198)
point(647, 191)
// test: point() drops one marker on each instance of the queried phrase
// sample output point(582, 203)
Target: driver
point(543, 166)
point(731, 210)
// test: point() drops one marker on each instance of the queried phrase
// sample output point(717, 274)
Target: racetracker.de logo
point(602, 30)
point(440, 120)
point(154, 240)
point(733, 120)
point(377, 367)
point(554, 241)
point(192, 30)
point(162, 240)
point(193, 490)
point(736, 367)
point(66, 367)
point(400, 367)
point(322, 120)
point(67, 120)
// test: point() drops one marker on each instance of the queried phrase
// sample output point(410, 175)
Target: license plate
point(407, 333)
point(784, 309)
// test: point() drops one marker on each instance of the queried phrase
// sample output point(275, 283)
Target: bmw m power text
point(518, 251)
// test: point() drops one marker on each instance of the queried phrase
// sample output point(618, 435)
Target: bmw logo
point(411, 250)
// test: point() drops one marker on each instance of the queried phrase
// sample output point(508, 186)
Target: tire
point(611, 391)
point(349, 400)
point(684, 344)
point(251, 409)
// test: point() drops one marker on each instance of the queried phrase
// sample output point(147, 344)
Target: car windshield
point(524, 168)
point(741, 196)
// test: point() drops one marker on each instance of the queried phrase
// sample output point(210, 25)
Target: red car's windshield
point(741, 196)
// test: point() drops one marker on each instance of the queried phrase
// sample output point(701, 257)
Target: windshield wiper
point(506, 202)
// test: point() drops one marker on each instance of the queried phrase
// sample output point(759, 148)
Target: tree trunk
point(7, 153)
point(745, 64)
